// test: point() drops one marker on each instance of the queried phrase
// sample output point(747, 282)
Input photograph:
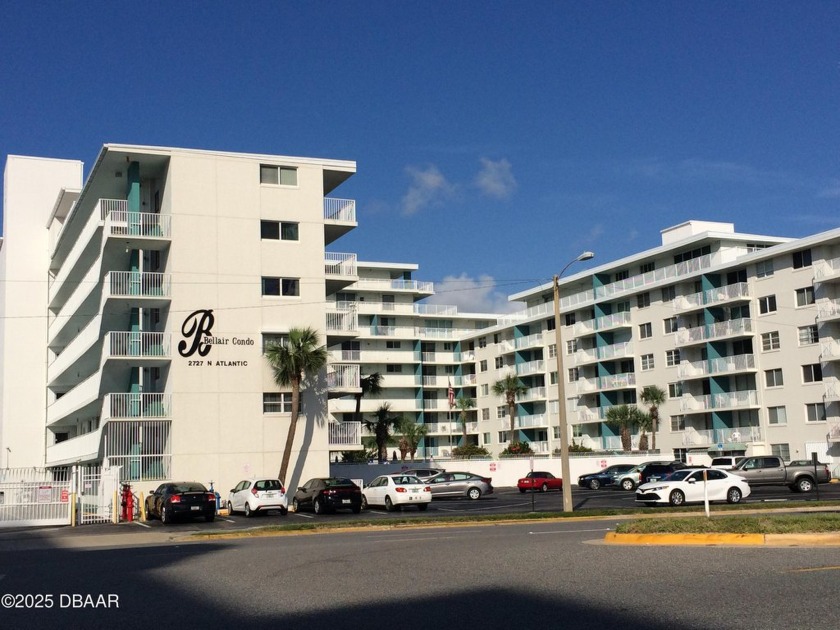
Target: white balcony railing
point(615, 351)
point(830, 350)
point(614, 320)
point(121, 223)
point(341, 210)
point(138, 284)
point(724, 400)
point(345, 434)
point(378, 284)
point(531, 367)
point(342, 320)
point(828, 309)
point(343, 376)
point(119, 344)
point(342, 265)
point(617, 381)
point(657, 275)
point(710, 437)
point(528, 422)
point(741, 326)
point(710, 297)
point(826, 269)
point(139, 405)
point(721, 365)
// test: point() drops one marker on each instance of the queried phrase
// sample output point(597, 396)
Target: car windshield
point(189, 487)
point(719, 461)
point(268, 484)
point(337, 482)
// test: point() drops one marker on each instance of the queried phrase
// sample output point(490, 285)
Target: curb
point(740, 540)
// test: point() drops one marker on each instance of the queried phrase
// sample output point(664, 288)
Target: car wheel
point(474, 493)
point(522, 490)
point(733, 495)
point(318, 506)
point(364, 502)
point(595, 484)
point(165, 515)
point(209, 517)
point(422, 506)
point(230, 508)
point(544, 487)
point(676, 498)
point(248, 512)
point(357, 508)
point(628, 484)
point(284, 511)
point(804, 485)
point(389, 506)
point(295, 505)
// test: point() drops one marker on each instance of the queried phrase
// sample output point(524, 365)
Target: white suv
point(253, 496)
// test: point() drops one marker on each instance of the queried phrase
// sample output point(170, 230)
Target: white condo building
point(135, 303)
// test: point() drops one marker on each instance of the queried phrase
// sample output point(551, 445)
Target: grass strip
point(813, 523)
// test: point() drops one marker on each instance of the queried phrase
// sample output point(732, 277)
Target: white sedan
point(687, 486)
point(394, 491)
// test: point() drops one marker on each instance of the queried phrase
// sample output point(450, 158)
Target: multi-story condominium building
point(136, 304)
point(740, 330)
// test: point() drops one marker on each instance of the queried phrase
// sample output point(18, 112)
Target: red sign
point(65, 496)
point(603, 463)
point(492, 466)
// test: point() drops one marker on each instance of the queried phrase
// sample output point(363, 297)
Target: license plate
point(345, 501)
point(270, 495)
point(195, 508)
point(415, 490)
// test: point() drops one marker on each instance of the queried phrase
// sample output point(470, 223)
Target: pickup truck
point(769, 470)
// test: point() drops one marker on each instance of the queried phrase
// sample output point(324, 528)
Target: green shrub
point(470, 450)
point(518, 448)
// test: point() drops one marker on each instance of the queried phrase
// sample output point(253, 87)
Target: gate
point(34, 497)
point(97, 495)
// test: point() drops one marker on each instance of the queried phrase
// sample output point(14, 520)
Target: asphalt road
point(531, 575)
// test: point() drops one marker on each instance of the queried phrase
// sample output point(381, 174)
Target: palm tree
point(653, 397)
point(296, 357)
point(371, 386)
point(464, 404)
point(624, 418)
point(413, 434)
point(644, 422)
point(381, 426)
point(510, 387)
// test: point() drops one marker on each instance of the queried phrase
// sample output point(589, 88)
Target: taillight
point(427, 489)
point(400, 489)
point(175, 498)
point(282, 490)
point(211, 497)
point(328, 491)
point(254, 490)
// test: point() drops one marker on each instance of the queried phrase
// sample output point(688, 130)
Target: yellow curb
point(684, 539)
point(831, 539)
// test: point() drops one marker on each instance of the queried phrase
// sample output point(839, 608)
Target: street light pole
point(561, 387)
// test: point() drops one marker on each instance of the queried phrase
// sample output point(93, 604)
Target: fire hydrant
point(127, 503)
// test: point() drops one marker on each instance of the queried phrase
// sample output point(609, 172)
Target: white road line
point(572, 531)
point(143, 525)
point(304, 515)
point(226, 520)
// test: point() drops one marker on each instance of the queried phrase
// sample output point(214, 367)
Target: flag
point(451, 396)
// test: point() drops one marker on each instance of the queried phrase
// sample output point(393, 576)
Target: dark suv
point(647, 471)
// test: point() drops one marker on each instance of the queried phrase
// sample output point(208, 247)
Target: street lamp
point(561, 394)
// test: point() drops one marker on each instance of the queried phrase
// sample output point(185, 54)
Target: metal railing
point(343, 210)
point(343, 265)
point(724, 400)
point(139, 405)
point(741, 326)
point(141, 447)
point(345, 433)
point(137, 344)
point(138, 284)
point(710, 297)
point(735, 363)
point(704, 437)
point(342, 320)
point(343, 376)
point(145, 224)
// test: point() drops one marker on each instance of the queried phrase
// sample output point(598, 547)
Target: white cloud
point(495, 179)
point(428, 187)
point(473, 295)
point(832, 191)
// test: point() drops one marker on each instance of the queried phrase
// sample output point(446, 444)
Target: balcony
point(82, 448)
point(342, 322)
point(138, 284)
point(712, 437)
point(832, 389)
point(828, 310)
point(586, 385)
point(585, 327)
point(615, 351)
point(834, 431)
point(339, 218)
point(722, 401)
point(343, 435)
point(636, 282)
point(135, 226)
point(530, 367)
point(826, 270)
point(626, 380)
point(343, 377)
point(830, 351)
point(700, 334)
point(531, 422)
point(721, 365)
point(340, 271)
point(712, 297)
point(138, 345)
point(614, 320)
point(533, 393)
point(413, 286)
point(139, 405)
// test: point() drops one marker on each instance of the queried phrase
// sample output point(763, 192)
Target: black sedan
point(328, 494)
point(604, 477)
point(181, 499)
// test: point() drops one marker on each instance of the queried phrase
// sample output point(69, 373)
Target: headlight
point(655, 488)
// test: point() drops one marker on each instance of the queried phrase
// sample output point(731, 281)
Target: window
point(764, 269)
point(647, 361)
point(279, 402)
point(677, 423)
point(647, 267)
point(671, 325)
point(694, 253)
point(774, 378)
point(277, 338)
point(487, 437)
point(815, 412)
point(781, 450)
point(500, 362)
point(645, 331)
point(668, 294)
point(571, 346)
point(552, 351)
point(482, 367)
point(448, 346)
point(282, 175)
point(672, 358)
point(392, 345)
point(767, 304)
point(622, 307)
point(497, 338)
point(279, 230)
point(485, 414)
point(501, 412)
point(770, 341)
point(393, 368)
point(643, 300)
point(802, 259)
point(675, 390)
point(281, 286)
point(485, 389)
point(574, 374)
point(570, 319)
point(805, 296)
point(811, 373)
point(482, 342)
point(776, 415)
point(622, 275)
point(808, 335)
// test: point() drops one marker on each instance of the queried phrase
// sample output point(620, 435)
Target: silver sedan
point(460, 484)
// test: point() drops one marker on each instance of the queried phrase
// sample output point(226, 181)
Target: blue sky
point(494, 140)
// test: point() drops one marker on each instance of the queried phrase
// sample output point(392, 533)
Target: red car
point(542, 481)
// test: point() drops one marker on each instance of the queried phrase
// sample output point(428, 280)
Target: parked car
point(542, 481)
point(726, 462)
point(647, 471)
point(603, 477)
point(253, 496)
point(769, 470)
point(181, 499)
point(687, 486)
point(396, 490)
point(460, 484)
point(423, 474)
point(327, 494)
